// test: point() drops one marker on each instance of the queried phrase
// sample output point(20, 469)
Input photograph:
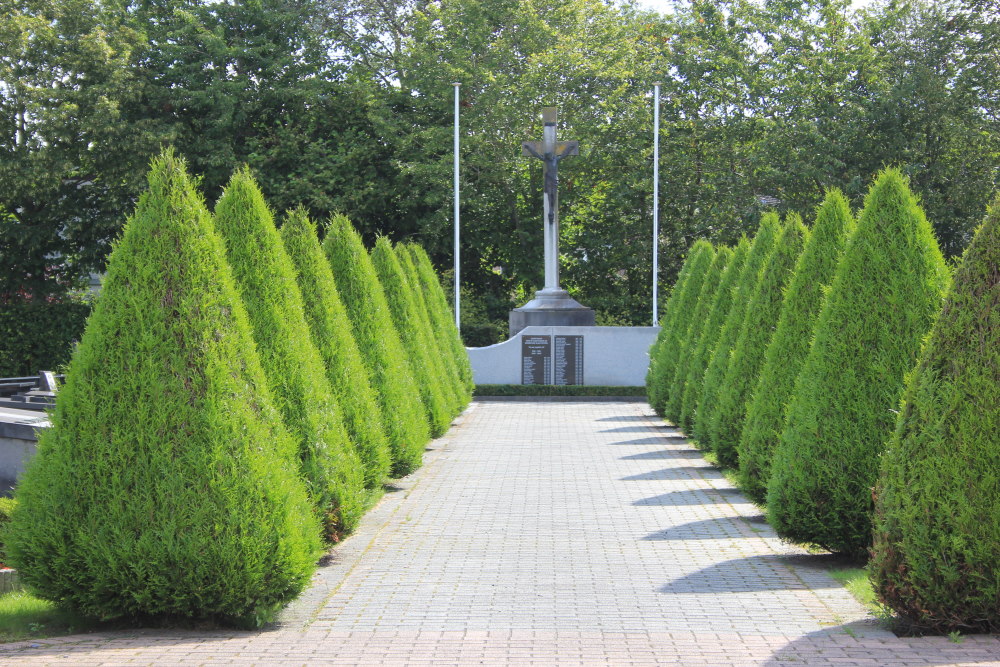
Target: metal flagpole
point(458, 318)
point(656, 198)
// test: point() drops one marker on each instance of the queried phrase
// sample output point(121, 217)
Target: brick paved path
point(543, 532)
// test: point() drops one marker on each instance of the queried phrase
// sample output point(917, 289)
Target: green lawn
point(23, 616)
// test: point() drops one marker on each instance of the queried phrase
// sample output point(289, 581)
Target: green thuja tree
point(442, 316)
point(437, 344)
point(426, 369)
point(788, 349)
point(757, 257)
point(682, 301)
point(689, 342)
point(265, 278)
point(754, 338)
point(655, 387)
point(721, 305)
point(331, 331)
point(884, 297)
point(168, 484)
point(403, 412)
point(937, 509)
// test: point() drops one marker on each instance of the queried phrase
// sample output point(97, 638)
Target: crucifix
point(550, 152)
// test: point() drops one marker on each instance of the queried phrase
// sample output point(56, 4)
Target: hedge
point(167, 485)
point(937, 513)
point(38, 335)
point(403, 412)
point(753, 340)
point(265, 278)
point(792, 336)
point(331, 331)
point(884, 297)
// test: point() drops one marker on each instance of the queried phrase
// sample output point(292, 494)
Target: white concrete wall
point(613, 356)
point(17, 442)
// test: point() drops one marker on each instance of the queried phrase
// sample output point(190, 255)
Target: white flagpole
point(458, 318)
point(656, 198)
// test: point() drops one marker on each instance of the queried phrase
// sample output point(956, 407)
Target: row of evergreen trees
point(239, 394)
point(787, 357)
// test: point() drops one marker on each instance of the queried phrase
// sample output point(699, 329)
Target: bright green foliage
point(403, 413)
point(442, 317)
point(168, 484)
point(689, 342)
point(755, 336)
point(884, 297)
point(937, 511)
point(265, 278)
point(766, 411)
point(721, 304)
point(676, 321)
point(331, 331)
point(437, 344)
point(757, 258)
point(428, 373)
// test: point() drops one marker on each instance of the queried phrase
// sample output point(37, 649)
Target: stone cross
point(550, 152)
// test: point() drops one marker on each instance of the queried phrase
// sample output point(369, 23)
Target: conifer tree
point(265, 279)
point(721, 305)
point(689, 342)
point(168, 485)
point(438, 344)
point(331, 331)
point(754, 337)
point(766, 412)
point(937, 511)
point(426, 371)
point(403, 412)
point(442, 316)
point(757, 257)
point(884, 297)
point(683, 301)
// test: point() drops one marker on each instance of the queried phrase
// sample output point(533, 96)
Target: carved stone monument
point(552, 305)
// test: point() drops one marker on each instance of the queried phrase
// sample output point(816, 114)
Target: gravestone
point(552, 305)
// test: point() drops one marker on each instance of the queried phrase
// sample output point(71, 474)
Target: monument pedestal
point(551, 308)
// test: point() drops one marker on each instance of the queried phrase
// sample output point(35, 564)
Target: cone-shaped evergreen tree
point(884, 297)
point(416, 343)
point(403, 413)
point(438, 344)
point(682, 301)
point(168, 485)
point(937, 511)
point(331, 331)
point(755, 335)
point(721, 305)
point(760, 252)
point(689, 342)
point(265, 279)
point(788, 349)
point(442, 317)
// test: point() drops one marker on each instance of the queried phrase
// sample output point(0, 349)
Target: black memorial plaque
point(536, 360)
point(567, 360)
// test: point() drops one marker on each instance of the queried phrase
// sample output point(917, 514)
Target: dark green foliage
point(438, 343)
point(442, 316)
point(331, 331)
point(426, 371)
point(688, 343)
point(7, 506)
point(403, 414)
point(680, 309)
point(757, 258)
point(168, 484)
point(883, 299)
point(721, 304)
point(755, 336)
point(265, 278)
point(766, 412)
point(38, 336)
point(937, 512)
